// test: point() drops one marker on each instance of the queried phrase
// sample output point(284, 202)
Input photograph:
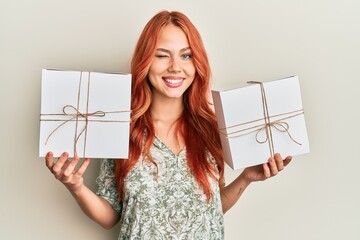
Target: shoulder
point(107, 172)
point(107, 165)
point(210, 158)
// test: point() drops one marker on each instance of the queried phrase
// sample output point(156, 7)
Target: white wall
point(317, 196)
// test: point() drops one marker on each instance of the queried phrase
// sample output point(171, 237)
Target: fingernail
point(65, 154)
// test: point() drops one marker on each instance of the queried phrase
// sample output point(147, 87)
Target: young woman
point(172, 185)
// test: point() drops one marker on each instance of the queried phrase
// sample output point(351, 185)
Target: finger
point(63, 169)
point(83, 167)
point(287, 160)
point(60, 174)
point(66, 164)
point(49, 160)
point(266, 170)
point(279, 162)
point(273, 167)
point(56, 169)
point(68, 171)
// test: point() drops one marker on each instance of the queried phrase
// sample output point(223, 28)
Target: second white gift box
point(85, 113)
point(259, 120)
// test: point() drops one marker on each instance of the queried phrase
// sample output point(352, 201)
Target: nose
point(174, 65)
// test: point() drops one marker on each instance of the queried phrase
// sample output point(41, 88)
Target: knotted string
point(75, 116)
point(78, 116)
point(279, 124)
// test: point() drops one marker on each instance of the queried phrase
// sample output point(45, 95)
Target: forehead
point(172, 37)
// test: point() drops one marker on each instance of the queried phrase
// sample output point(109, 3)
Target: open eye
point(186, 56)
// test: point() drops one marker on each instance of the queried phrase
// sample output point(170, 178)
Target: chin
point(175, 96)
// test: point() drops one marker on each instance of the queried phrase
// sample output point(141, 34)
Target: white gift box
point(259, 120)
point(85, 113)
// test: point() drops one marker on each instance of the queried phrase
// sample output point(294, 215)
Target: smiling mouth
point(174, 82)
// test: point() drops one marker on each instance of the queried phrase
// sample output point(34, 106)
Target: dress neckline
point(163, 145)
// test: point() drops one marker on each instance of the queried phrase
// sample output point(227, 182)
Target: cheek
point(152, 80)
point(157, 67)
point(190, 70)
point(154, 72)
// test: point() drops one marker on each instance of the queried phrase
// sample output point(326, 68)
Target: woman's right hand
point(65, 170)
point(94, 206)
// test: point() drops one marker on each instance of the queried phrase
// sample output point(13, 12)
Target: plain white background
point(317, 197)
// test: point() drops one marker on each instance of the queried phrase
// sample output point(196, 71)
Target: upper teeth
point(173, 81)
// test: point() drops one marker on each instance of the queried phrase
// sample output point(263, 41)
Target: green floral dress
point(169, 207)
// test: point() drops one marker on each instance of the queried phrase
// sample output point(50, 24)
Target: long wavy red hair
point(198, 118)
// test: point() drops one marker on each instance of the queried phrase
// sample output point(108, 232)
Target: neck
point(164, 114)
point(166, 110)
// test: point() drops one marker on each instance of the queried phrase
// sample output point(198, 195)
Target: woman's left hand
point(266, 170)
point(232, 192)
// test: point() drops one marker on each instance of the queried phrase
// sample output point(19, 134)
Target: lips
point(173, 81)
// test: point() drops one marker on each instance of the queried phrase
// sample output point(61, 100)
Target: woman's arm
point(232, 192)
point(94, 206)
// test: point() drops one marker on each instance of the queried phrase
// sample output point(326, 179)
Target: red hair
point(198, 118)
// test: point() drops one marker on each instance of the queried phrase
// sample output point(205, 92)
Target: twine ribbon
point(279, 124)
point(77, 116)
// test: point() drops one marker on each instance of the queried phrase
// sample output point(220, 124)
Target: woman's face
point(172, 69)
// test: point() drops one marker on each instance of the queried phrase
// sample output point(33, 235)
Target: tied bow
point(75, 117)
point(278, 125)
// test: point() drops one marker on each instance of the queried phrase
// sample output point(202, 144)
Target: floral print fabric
point(168, 205)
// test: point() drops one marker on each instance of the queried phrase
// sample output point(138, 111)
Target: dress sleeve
point(107, 187)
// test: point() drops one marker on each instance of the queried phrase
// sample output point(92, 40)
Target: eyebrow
point(168, 51)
